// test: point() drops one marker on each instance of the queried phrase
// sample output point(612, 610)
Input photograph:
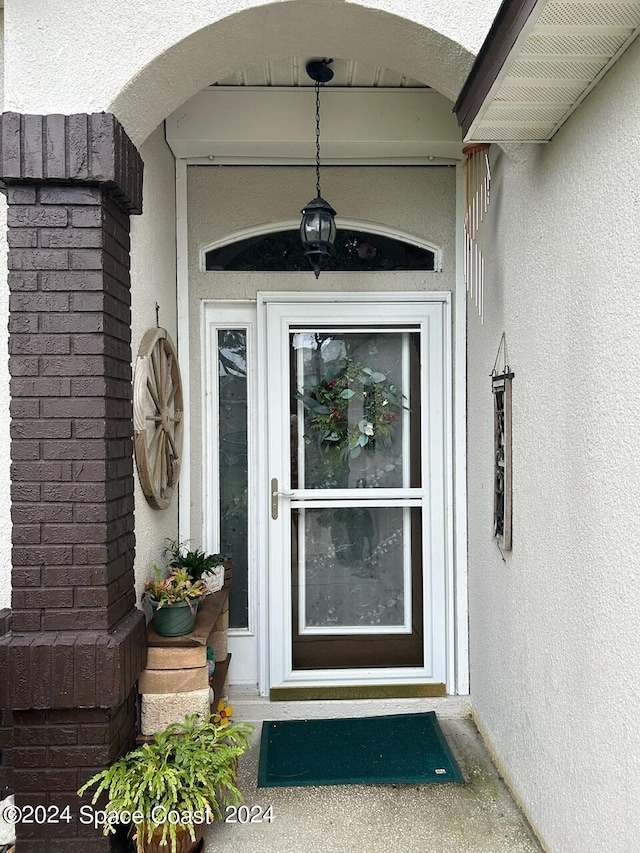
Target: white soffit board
point(565, 48)
point(243, 124)
point(347, 72)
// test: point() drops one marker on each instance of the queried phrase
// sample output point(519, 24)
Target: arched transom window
point(355, 250)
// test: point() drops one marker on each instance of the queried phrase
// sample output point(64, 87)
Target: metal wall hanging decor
point(157, 417)
point(477, 184)
point(501, 387)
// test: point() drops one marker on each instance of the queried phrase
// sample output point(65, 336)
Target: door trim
point(372, 677)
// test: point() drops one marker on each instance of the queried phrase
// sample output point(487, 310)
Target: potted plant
point(174, 600)
point(174, 785)
point(209, 568)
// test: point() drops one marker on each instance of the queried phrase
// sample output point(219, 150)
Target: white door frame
point(458, 632)
point(276, 669)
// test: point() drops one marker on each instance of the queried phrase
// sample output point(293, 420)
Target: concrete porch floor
point(476, 817)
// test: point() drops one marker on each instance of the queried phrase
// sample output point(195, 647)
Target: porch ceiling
point(539, 61)
point(291, 72)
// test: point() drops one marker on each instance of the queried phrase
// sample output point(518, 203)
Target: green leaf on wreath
point(347, 394)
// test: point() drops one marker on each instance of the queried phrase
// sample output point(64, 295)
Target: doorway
point(357, 403)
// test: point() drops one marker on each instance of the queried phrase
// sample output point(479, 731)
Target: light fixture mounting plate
point(319, 71)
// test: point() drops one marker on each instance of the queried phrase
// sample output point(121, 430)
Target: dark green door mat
point(402, 748)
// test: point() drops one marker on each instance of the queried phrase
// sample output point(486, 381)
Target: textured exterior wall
point(168, 50)
point(153, 279)
point(554, 629)
point(418, 201)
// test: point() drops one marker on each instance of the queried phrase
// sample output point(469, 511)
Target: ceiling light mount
point(319, 71)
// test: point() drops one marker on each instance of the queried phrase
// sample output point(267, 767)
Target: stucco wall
point(554, 629)
point(153, 279)
point(142, 59)
point(418, 201)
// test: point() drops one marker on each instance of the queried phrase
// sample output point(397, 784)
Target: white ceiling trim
point(277, 125)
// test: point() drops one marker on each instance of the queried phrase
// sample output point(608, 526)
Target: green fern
point(189, 767)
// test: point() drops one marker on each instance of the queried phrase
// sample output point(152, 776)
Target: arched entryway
point(87, 156)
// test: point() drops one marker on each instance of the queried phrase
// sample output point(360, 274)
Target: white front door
point(357, 406)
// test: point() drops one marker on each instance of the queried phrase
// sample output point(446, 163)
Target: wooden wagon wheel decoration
point(158, 417)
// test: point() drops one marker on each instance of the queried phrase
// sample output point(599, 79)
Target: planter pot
point(176, 619)
point(184, 844)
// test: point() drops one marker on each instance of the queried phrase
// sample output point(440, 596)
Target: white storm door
point(357, 410)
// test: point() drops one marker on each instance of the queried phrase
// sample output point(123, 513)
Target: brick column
point(68, 666)
point(6, 727)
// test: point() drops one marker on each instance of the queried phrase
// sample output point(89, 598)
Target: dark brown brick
point(22, 238)
point(27, 217)
point(24, 513)
point(40, 429)
point(27, 621)
point(21, 195)
point(81, 492)
point(22, 451)
point(19, 281)
point(23, 365)
point(75, 407)
point(73, 366)
point(74, 238)
point(23, 324)
point(72, 620)
point(92, 596)
point(45, 780)
point(25, 599)
point(26, 577)
point(72, 280)
point(38, 259)
point(22, 408)
point(26, 534)
point(74, 449)
point(86, 259)
point(86, 217)
point(75, 576)
point(38, 302)
point(70, 195)
point(55, 534)
point(39, 344)
point(42, 555)
point(72, 323)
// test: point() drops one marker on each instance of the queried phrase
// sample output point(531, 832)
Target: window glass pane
point(354, 416)
point(233, 465)
point(353, 250)
point(356, 568)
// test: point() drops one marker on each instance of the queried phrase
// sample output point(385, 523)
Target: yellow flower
point(223, 714)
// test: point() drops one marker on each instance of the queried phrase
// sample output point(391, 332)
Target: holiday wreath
point(329, 401)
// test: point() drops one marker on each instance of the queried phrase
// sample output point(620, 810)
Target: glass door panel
point(353, 421)
point(355, 430)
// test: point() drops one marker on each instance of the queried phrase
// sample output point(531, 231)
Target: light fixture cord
point(318, 138)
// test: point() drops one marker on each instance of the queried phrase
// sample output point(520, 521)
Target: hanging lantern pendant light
point(318, 226)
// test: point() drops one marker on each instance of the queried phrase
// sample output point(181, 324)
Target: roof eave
point(508, 25)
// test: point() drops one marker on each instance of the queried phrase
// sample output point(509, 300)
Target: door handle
point(275, 494)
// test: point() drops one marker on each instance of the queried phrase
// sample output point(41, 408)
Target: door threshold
point(248, 706)
point(358, 691)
